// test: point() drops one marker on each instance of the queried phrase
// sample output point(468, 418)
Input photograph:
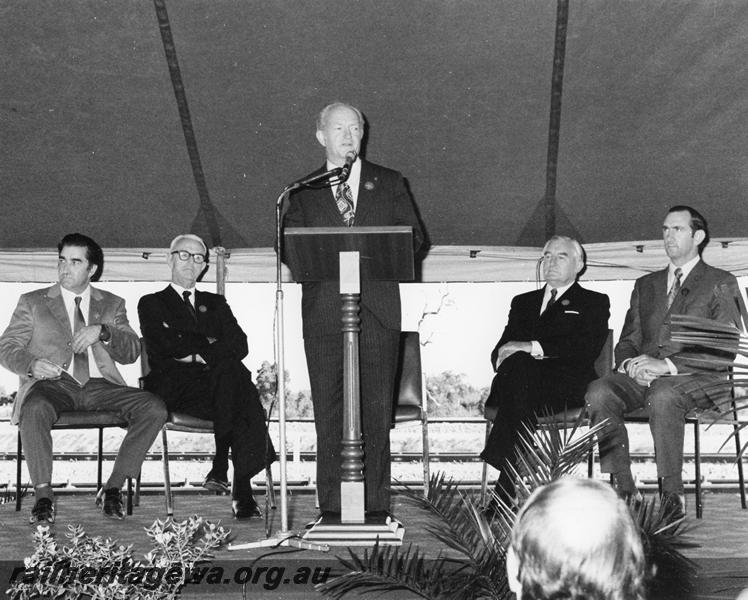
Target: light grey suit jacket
point(40, 328)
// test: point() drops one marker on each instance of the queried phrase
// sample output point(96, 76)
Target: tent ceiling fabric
point(456, 94)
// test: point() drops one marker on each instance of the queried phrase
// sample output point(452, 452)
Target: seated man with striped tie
point(546, 355)
point(654, 372)
point(195, 351)
point(63, 342)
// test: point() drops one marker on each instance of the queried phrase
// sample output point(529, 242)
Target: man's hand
point(644, 369)
point(510, 348)
point(42, 368)
point(86, 336)
point(191, 358)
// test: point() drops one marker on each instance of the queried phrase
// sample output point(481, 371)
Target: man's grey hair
point(188, 236)
point(578, 250)
point(322, 117)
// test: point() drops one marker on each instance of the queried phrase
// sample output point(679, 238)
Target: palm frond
point(672, 576)
point(388, 569)
point(549, 452)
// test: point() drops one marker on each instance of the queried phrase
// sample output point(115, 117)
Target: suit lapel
point(367, 190)
point(690, 282)
point(56, 306)
point(95, 306)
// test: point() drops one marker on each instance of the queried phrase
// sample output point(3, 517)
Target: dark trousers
point(378, 354)
point(144, 413)
point(522, 388)
point(224, 394)
point(667, 400)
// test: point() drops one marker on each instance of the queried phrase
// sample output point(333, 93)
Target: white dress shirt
point(68, 298)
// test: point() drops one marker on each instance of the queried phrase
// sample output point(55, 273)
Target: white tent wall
point(460, 307)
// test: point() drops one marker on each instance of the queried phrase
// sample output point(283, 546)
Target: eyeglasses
point(184, 255)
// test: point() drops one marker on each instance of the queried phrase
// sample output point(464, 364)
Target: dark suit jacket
point(572, 333)
point(40, 328)
point(382, 200)
point(170, 332)
point(706, 292)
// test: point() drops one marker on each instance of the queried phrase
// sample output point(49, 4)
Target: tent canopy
point(456, 95)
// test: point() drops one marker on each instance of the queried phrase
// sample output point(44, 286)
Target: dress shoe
point(673, 506)
point(110, 501)
point(246, 509)
point(43, 512)
point(216, 484)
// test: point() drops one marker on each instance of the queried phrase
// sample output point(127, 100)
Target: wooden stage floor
point(722, 538)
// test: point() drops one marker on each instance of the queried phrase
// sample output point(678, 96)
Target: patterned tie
point(344, 200)
point(186, 295)
point(80, 360)
point(675, 289)
point(551, 300)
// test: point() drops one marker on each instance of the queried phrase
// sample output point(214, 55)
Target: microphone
point(350, 158)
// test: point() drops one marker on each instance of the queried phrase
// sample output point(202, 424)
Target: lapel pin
point(202, 308)
point(564, 302)
point(368, 186)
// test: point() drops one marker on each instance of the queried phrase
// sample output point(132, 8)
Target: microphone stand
point(283, 537)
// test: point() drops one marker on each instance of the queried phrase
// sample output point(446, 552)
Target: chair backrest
point(408, 382)
point(604, 361)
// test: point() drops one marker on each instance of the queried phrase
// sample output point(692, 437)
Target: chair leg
point(697, 467)
point(426, 456)
point(269, 488)
point(484, 475)
point(738, 457)
point(19, 458)
point(590, 462)
point(129, 496)
point(167, 480)
point(137, 489)
point(100, 459)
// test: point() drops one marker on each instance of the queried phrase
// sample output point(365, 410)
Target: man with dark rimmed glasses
point(195, 351)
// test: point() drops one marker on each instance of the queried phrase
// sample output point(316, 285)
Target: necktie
point(675, 289)
point(80, 360)
point(551, 300)
point(186, 295)
point(344, 200)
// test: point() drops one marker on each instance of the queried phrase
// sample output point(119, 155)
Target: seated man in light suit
point(546, 355)
point(653, 371)
point(63, 342)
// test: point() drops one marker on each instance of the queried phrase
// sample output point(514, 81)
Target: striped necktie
point(675, 288)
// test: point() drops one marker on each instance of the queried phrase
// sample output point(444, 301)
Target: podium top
point(386, 253)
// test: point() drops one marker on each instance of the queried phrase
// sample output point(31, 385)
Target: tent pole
point(554, 125)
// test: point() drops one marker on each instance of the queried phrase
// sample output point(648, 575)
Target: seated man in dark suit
point(63, 342)
point(655, 372)
point(545, 357)
point(195, 351)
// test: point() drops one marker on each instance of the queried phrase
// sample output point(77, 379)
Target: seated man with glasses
point(195, 351)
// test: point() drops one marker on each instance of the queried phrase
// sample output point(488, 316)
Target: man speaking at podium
point(368, 195)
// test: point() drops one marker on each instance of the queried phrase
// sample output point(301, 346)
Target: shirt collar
point(179, 290)
point(684, 269)
point(69, 297)
point(560, 291)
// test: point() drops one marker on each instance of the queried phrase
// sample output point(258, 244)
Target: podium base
point(388, 531)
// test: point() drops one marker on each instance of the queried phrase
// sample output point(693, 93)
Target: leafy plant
point(97, 568)
point(728, 343)
point(478, 535)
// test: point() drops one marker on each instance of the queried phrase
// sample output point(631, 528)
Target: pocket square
point(571, 312)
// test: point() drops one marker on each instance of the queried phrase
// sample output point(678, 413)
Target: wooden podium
point(350, 255)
